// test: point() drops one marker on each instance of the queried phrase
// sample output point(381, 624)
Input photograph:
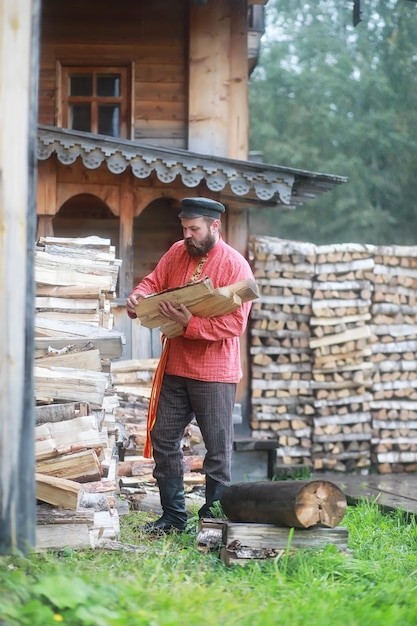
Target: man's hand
point(181, 315)
point(131, 302)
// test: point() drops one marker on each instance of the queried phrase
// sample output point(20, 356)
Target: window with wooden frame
point(96, 100)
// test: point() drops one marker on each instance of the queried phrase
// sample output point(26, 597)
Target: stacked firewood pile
point(394, 327)
point(74, 337)
point(282, 393)
point(74, 343)
point(340, 349)
point(357, 387)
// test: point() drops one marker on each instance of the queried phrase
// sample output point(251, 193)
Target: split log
point(297, 504)
point(85, 358)
point(59, 334)
point(199, 297)
point(51, 269)
point(58, 491)
point(191, 294)
point(70, 384)
point(61, 412)
point(215, 306)
point(82, 466)
point(68, 437)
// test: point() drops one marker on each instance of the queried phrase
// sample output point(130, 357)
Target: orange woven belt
point(154, 397)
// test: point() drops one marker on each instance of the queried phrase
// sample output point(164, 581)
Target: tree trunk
point(296, 503)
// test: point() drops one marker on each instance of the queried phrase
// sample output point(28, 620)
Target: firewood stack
point(333, 354)
point(74, 337)
point(282, 398)
point(394, 326)
point(76, 279)
point(74, 343)
point(340, 346)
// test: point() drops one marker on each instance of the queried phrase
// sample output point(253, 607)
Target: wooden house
point(144, 103)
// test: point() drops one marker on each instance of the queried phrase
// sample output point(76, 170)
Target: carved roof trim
point(259, 183)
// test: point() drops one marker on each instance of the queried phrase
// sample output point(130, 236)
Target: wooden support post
point(237, 234)
point(127, 212)
point(238, 86)
point(19, 51)
point(46, 201)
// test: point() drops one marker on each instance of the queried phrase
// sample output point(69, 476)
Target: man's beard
point(202, 247)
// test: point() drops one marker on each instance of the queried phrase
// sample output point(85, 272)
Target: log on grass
point(294, 503)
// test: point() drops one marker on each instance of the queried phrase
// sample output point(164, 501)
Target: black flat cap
point(200, 207)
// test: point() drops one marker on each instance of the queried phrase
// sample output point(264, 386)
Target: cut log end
point(320, 503)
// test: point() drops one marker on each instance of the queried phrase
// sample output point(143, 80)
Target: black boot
point(214, 492)
point(174, 516)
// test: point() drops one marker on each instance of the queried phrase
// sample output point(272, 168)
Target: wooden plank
point(59, 536)
point(390, 492)
point(271, 536)
point(236, 553)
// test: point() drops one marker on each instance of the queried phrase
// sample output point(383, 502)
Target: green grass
point(171, 583)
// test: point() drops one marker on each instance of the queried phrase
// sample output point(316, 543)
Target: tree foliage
point(332, 98)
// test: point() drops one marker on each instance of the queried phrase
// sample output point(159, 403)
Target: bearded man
point(202, 366)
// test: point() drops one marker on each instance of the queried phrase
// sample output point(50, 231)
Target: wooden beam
point(19, 51)
point(127, 213)
point(209, 77)
point(46, 204)
point(238, 83)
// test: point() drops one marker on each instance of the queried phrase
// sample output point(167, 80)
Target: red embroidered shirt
point(209, 349)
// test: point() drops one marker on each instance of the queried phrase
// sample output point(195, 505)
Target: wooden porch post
point(19, 50)
point(127, 214)
point(237, 236)
point(46, 202)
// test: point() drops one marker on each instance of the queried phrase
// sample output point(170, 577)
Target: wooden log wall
point(149, 39)
point(333, 354)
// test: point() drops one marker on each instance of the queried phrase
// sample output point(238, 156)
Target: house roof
point(259, 184)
